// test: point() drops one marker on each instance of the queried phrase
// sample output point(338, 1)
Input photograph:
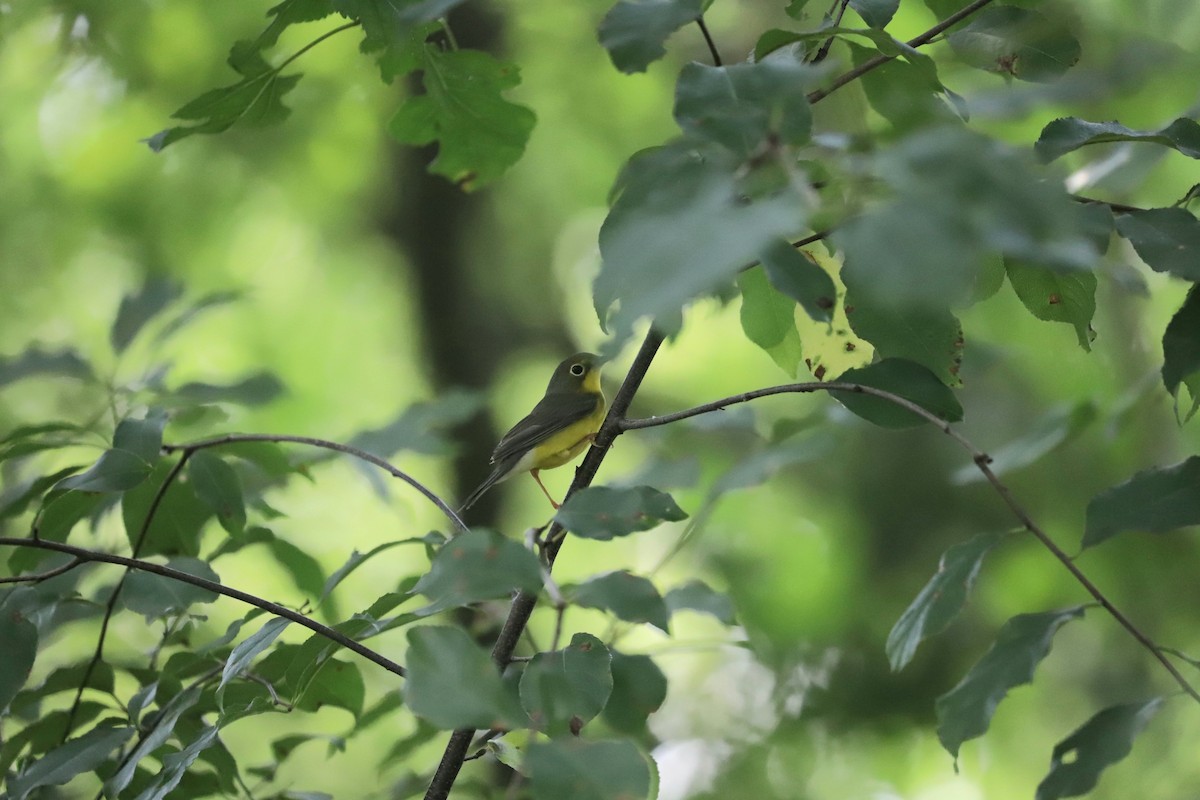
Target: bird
point(558, 428)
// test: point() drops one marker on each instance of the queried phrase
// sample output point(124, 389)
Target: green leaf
point(61, 511)
point(291, 12)
point(630, 597)
point(336, 683)
point(603, 512)
point(357, 559)
point(696, 595)
point(18, 643)
point(213, 299)
point(479, 133)
point(217, 484)
point(256, 101)
point(1068, 297)
point(249, 648)
point(178, 522)
point(142, 437)
point(66, 761)
point(256, 390)
point(477, 565)
point(157, 595)
point(176, 765)
point(1016, 41)
point(136, 310)
point(1103, 740)
point(422, 427)
point(115, 471)
point(905, 379)
point(562, 691)
point(1181, 351)
point(940, 600)
point(387, 23)
point(35, 361)
point(769, 320)
point(741, 106)
point(15, 504)
point(926, 335)
point(162, 727)
point(639, 689)
point(1156, 500)
point(966, 710)
point(633, 33)
point(587, 770)
point(1167, 239)
point(305, 571)
point(761, 465)
point(452, 683)
point(1071, 133)
point(1044, 435)
point(794, 274)
point(876, 13)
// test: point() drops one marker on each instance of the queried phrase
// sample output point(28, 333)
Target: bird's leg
point(534, 473)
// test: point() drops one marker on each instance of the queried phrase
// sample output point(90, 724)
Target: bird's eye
point(577, 370)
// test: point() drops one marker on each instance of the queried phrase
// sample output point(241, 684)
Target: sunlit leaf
point(256, 390)
point(906, 380)
point(477, 565)
point(479, 133)
point(217, 484)
point(604, 512)
point(452, 682)
point(1181, 351)
point(696, 595)
point(927, 335)
point(630, 597)
point(966, 710)
point(639, 689)
point(769, 320)
point(1042, 437)
point(66, 761)
point(18, 643)
point(941, 598)
point(1068, 297)
point(37, 361)
point(1070, 133)
point(562, 691)
point(1100, 742)
point(633, 31)
point(1156, 500)
point(1020, 42)
point(157, 595)
point(155, 295)
point(587, 770)
point(1167, 239)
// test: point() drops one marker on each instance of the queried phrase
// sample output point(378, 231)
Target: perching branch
point(981, 459)
point(85, 555)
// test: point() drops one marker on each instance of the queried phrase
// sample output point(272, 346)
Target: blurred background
point(367, 286)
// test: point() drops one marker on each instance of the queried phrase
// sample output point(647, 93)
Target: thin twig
point(981, 460)
point(1120, 208)
point(880, 60)
point(44, 576)
point(266, 605)
point(233, 438)
point(840, 7)
point(712, 46)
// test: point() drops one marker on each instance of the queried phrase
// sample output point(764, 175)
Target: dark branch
point(712, 46)
point(44, 576)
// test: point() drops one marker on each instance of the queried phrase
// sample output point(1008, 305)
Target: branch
point(232, 438)
point(981, 459)
point(44, 576)
point(712, 46)
point(1120, 208)
point(880, 60)
point(522, 606)
point(86, 555)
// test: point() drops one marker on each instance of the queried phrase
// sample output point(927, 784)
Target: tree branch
point(981, 459)
point(83, 554)
point(44, 576)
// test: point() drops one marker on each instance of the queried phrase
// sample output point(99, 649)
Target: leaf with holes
point(562, 691)
point(1100, 742)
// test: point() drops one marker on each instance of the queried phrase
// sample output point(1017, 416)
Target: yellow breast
point(570, 441)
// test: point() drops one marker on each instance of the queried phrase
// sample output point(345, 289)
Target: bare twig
point(712, 46)
point(44, 576)
point(839, 8)
point(1120, 208)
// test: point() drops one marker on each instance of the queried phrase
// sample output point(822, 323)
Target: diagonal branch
point(981, 459)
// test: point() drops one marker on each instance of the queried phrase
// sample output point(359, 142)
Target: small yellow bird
point(560, 426)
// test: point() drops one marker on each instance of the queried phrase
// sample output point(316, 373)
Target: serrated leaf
point(155, 295)
point(966, 710)
point(18, 643)
point(218, 485)
point(876, 13)
point(1044, 435)
point(1020, 42)
point(1066, 134)
point(639, 689)
point(477, 565)
point(562, 691)
point(741, 106)
point(37, 361)
point(1167, 239)
point(1053, 296)
point(927, 335)
point(161, 729)
point(1155, 500)
point(255, 101)
point(68, 760)
point(256, 390)
point(905, 379)
point(800, 278)
point(587, 770)
point(452, 683)
point(604, 512)
point(769, 321)
point(940, 600)
point(630, 597)
point(1100, 742)
point(633, 33)
point(157, 595)
point(479, 133)
point(696, 595)
point(249, 648)
point(1181, 352)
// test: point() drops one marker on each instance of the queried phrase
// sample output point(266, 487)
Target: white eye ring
point(577, 369)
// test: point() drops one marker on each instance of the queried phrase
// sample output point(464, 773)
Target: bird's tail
point(498, 474)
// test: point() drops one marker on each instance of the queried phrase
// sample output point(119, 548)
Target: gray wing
point(549, 416)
